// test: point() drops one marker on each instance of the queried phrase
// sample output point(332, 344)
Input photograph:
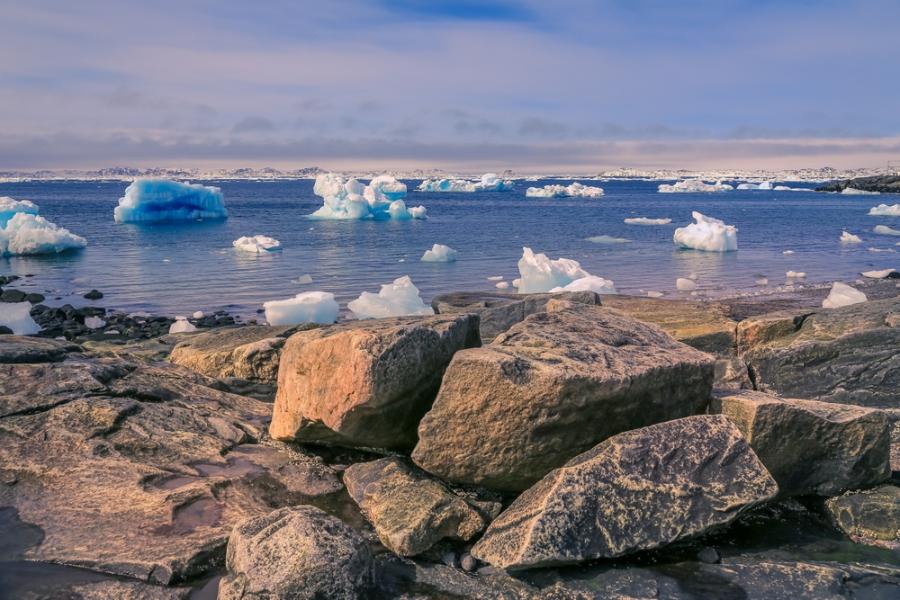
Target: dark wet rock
point(404, 578)
point(34, 298)
point(410, 510)
point(4, 330)
point(870, 516)
point(7, 279)
point(365, 383)
point(127, 590)
point(93, 295)
point(26, 349)
point(812, 447)
point(298, 552)
point(885, 184)
point(552, 387)
point(635, 491)
point(13, 296)
point(709, 555)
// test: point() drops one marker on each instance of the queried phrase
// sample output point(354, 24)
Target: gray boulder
point(869, 517)
point(17, 349)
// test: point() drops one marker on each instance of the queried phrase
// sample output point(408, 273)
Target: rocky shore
point(542, 446)
point(883, 184)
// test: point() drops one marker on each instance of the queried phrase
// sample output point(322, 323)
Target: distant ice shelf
point(694, 186)
point(164, 200)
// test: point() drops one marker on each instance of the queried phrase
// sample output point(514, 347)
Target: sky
point(533, 85)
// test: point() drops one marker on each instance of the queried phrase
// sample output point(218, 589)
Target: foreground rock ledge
point(635, 491)
point(366, 383)
point(812, 447)
point(552, 387)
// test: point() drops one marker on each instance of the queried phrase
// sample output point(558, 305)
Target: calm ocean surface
point(181, 268)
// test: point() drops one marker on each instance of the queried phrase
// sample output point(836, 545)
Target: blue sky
point(529, 85)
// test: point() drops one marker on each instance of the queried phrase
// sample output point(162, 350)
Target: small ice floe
point(25, 233)
point(303, 279)
point(198, 314)
point(785, 188)
point(849, 191)
point(541, 274)
point(883, 274)
point(885, 230)
point(707, 233)
point(257, 244)
point(590, 283)
point(765, 185)
point(652, 294)
point(788, 252)
point(761, 280)
point(181, 325)
point(489, 182)
point(398, 299)
point(607, 239)
point(495, 278)
point(646, 221)
point(94, 322)
point(308, 307)
point(849, 238)
point(881, 250)
point(795, 275)
point(843, 295)
point(350, 199)
point(884, 210)
point(573, 190)
point(694, 185)
point(17, 316)
point(685, 285)
point(502, 285)
point(159, 200)
point(439, 253)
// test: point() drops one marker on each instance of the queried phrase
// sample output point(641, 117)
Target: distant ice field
point(174, 268)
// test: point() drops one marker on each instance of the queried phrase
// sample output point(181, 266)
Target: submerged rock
point(365, 383)
point(552, 387)
point(812, 447)
point(635, 491)
point(869, 517)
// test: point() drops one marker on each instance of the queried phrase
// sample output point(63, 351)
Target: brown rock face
point(869, 517)
point(812, 447)
point(635, 491)
point(409, 510)
point(552, 387)
point(366, 383)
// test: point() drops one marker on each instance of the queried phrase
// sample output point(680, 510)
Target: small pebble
point(709, 555)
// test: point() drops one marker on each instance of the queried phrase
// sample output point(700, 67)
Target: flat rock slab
point(552, 387)
point(410, 510)
point(635, 491)
point(870, 516)
point(17, 349)
point(366, 383)
point(299, 553)
point(811, 447)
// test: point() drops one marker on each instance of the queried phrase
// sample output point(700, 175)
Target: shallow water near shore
point(179, 268)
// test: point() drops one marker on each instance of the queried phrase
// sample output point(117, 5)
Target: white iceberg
point(694, 185)
point(646, 221)
point(439, 253)
point(849, 238)
point(685, 285)
point(17, 316)
point(162, 200)
point(654, 294)
point(591, 283)
point(308, 307)
point(502, 285)
point(344, 199)
point(495, 278)
point(182, 325)
point(881, 250)
point(795, 275)
point(885, 230)
point(884, 210)
point(28, 233)
point(540, 274)
point(878, 274)
point(765, 185)
point(707, 233)
point(198, 314)
point(9, 207)
point(607, 239)
point(788, 252)
point(303, 279)
point(843, 295)
point(573, 190)
point(489, 182)
point(257, 244)
point(849, 191)
point(398, 299)
point(785, 188)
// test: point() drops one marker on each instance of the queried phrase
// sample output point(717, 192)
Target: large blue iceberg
point(158, 200)
point(24, 232)
point(381, 199)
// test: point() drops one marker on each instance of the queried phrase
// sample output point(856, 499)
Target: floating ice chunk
point(646, 221)
point(694, 185)
point(761, 280)
point(785, 188)
point(607, 239)
point(685, 285)
point(883, 210)
point(881, 250)
point(489, 182)
point(843, 295)
point(652, 294)
point(885, 230)
point(198, 314)
point(765, 185)
point(788, 252)
point(181, 325)
point(303, 279)
point(849, 238)
point(398, 299)
point(94, 322)
point(439, 253)
point(308, 307)
point(707, 233)
point(495, 278)
point(591, 283)
point(9, 207)
point(257, 244)
point(27, 233)
point(502, 285)
point(795, 275)
point(878, 274)
point(17, 316)
point(161, 200)
point(344, 199)
point(849, 191)
point(573, 190)
point(540, 274)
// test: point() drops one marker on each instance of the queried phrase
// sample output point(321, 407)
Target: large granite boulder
point(870, 516)
point(812, 447)
point(410, 510)
point(635, 491)
point(298, 553)
point(552, 387)
point(366, 383)
point(16, 349)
